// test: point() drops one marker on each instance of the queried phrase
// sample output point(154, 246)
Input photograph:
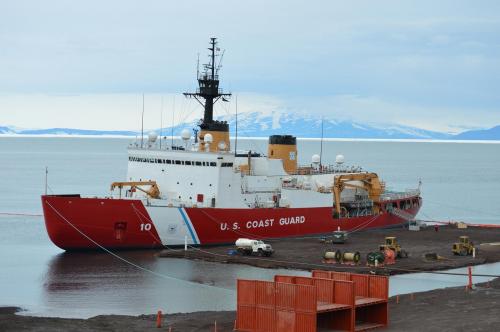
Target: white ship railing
point(407, 194)
point(327, 169)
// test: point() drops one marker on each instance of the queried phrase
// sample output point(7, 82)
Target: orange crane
point(368, 181)
point(153, 192)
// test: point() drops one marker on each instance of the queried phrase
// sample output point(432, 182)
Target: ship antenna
point(236, 130)
point(142, 121)
point(220, 63)
point(208, 92)
point(161, 120)
point(46, 179)
point(213, 57)
point(198, 68)
point(321, 145)
point(173, 116)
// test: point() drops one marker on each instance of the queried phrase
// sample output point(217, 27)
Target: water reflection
point(87, 284)
point(95, 270)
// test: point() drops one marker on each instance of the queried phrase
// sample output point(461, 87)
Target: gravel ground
point(307, 254)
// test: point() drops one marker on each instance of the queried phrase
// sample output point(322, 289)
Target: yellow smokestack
point(284, 147)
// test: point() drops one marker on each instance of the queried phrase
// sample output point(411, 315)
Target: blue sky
point(431, 64)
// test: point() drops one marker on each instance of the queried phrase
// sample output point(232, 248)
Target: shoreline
point(447, 309)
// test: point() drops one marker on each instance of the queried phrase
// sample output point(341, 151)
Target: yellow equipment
point(284, 147)
point(464, 247)
point(392, 244)
point(153, 192)
point(369, 182)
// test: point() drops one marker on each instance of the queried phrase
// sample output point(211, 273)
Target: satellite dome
point(186, 134)
point(152, 136)
point(208, 138)
point(339, 159)
point(315, 158)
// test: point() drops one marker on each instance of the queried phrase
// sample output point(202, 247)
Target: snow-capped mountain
point(484, 134)
point(6, 130)
point(264, 124)
point(255, 124)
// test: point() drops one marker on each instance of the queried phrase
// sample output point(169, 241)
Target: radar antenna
point(209, 91)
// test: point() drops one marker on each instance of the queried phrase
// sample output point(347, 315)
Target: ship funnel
point(284, 147)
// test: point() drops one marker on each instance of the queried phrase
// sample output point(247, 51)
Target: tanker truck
point(250, 246)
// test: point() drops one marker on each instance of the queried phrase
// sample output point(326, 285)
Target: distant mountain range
point(255, 124)
point(486, 134)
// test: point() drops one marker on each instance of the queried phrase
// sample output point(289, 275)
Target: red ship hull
point(75, 223)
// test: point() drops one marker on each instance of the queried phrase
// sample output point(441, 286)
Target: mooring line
point(20, 214)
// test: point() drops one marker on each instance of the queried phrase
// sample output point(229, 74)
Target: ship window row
point(178, 162)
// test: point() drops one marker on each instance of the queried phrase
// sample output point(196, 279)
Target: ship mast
point(209, 91)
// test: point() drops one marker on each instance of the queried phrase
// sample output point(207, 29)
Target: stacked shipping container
point(328, 300)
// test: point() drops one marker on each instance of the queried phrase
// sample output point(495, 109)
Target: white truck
point(250, 246)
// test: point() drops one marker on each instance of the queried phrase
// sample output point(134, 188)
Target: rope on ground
point(164, 276)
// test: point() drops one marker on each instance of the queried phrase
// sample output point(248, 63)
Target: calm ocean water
point(459, 181)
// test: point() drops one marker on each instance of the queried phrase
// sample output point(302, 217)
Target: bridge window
point(188, 162)
point(213, 164)
point(177, 162)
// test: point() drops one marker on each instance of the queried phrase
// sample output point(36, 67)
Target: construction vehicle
point(392, 244)
point(464, 247)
